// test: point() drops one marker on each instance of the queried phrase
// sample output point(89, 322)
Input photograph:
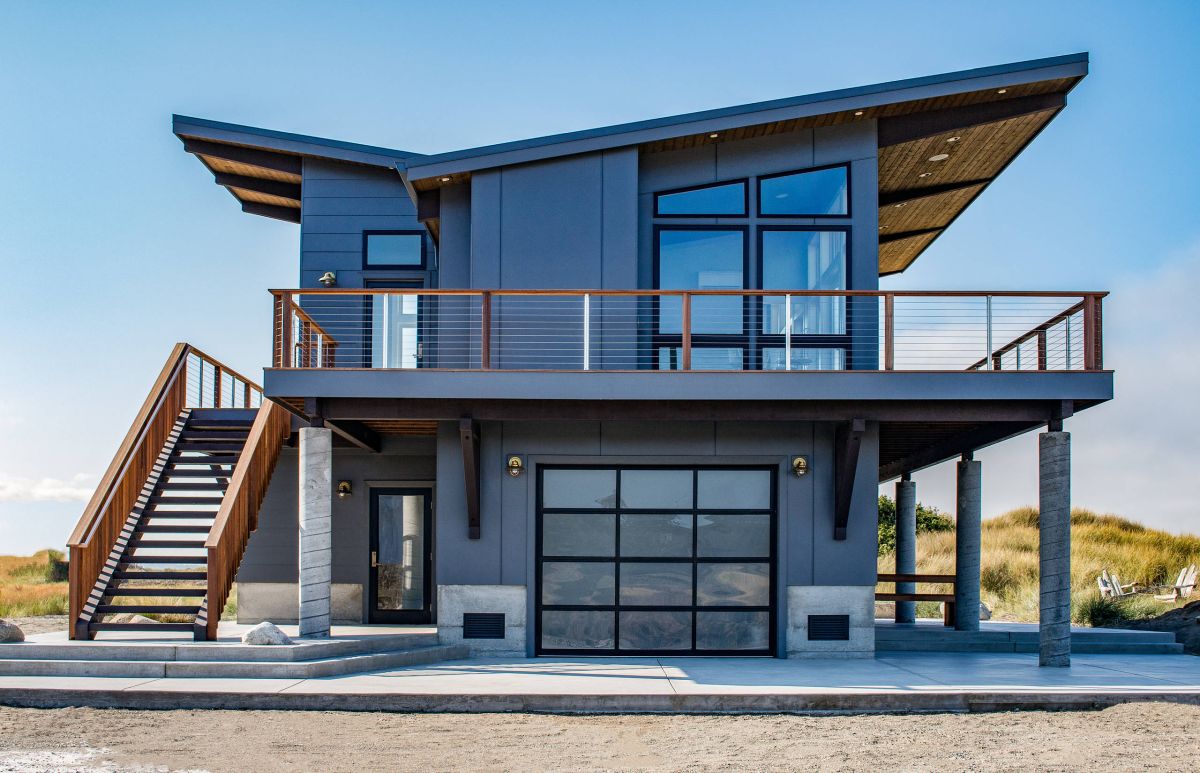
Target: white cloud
point(16, 489)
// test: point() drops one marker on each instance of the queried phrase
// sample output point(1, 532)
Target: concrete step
point(303, 669)
point(231, 652)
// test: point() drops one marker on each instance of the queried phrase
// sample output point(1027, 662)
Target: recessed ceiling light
point(953, 139)
point(1002, 91)
point(924, 174)
point(858, 112)
point(883, 228)
point(713, 136)
point(939, 157)
point(445, 179)
point(901, 204)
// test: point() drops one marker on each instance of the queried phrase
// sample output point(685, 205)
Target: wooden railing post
point(1043, 357)
point(889, 331)
point(686, 359)
point(1091, 319)
point(217, 386)
point(485, 330)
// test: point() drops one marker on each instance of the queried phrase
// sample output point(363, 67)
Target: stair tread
point(221, 459)
point(159, 499)
point(156, 591)
point(169, 559)
point(170, 528)
point(192, 514)
point(189, 473)
point(164, 543)
point(107, 609)
point(129, 574)
point(183, 485)
point(140, 627)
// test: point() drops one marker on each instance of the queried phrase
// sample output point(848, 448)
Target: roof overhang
point(263, 169)
point(981, 119)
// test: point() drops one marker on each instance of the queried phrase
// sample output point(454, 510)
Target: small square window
point(393, 250)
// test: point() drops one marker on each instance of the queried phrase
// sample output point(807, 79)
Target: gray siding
point(340, 201)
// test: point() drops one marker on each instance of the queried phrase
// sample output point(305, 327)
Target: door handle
point(374, 559)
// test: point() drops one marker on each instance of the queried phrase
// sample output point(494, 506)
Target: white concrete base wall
point(279, 602)
point(455, 600)
point(857, 601)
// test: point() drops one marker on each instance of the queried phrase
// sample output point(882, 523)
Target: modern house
point(629, 390)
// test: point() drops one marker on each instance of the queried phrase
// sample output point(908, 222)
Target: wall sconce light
point(799, 466)
point(344, 490)
point(515, 466)
point(328, 279)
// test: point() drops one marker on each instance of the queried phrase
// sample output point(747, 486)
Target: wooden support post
point(889, 331)
point(1090, 319)
point(485, 331)
point(217, 379)
point(686, 329)
point(847, 444)
point(468, 434)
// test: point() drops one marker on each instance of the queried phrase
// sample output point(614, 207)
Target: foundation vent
point(828, 627)
point(483, 625)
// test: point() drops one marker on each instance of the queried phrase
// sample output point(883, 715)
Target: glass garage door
point(655, 561)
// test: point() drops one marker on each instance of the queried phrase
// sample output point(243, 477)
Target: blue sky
point(114, 243)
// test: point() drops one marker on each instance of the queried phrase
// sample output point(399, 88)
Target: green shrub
point(45, 566)
point(929, 519)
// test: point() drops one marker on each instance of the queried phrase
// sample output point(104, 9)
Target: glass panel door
point(401, 556)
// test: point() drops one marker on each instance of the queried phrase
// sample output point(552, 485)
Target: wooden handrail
point(117, 493)
point(238, 515)
point(648, 293)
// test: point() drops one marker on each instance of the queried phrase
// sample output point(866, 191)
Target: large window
point(811, 193)
point(698, 258)
point(656, 560)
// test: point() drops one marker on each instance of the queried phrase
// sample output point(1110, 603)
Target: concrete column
point(906, 545)
point(316, 553)
point(967, 545)
point(1054, 548)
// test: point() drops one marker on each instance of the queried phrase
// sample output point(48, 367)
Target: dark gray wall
point(809, 554)
point(271, 555)
point(340, 201)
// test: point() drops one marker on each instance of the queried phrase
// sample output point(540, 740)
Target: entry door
point(401, 555)
point(396, 332)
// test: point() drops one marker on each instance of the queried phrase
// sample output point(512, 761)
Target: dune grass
point(31, 586)
point(1009, 576)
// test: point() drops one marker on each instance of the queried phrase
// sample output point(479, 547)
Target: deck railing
point(770, 330)
point(189, 379)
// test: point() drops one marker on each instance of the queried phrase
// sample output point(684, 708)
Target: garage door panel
point(648, 535)
point(571, 629)
point(655, 630)
point(727, 585)
point(579, 534)
point(576, 583)
point(733, 630)
point(657, 585)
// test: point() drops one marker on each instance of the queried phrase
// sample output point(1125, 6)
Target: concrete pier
point(316, 544)
point(906, 545)
point(967, 539)
point(1054, 548)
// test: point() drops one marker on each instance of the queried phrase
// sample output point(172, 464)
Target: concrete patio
point(893, 682)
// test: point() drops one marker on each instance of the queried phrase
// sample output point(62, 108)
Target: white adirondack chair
point(1120, 590)
point(1182, 588)
point(1105, 585)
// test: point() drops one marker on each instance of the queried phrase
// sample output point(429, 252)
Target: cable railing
point(692, 330)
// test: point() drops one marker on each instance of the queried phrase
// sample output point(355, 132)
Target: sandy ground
point(1128, 737)
point(43, 624)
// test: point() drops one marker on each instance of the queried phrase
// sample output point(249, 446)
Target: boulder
point(10, 632)
point(129, 617)
point(985, 612)
point(265, 634)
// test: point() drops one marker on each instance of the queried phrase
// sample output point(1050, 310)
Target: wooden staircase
point(167, 527)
